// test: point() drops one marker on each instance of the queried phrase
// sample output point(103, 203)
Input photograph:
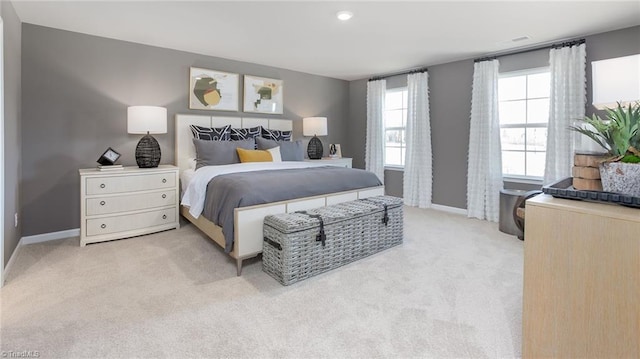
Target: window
point(395, 121)
point(524, 115)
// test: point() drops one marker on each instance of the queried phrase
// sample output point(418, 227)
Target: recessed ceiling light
point(344, 15)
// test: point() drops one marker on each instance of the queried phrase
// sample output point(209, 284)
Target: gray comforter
point(230, 191)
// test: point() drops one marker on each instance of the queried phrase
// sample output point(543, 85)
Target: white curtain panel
point(374, 148)
point(418, 162)
point(566, 105)
point(484, 171)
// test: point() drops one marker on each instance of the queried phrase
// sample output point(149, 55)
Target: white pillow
point(192, 163)
point(275, 154)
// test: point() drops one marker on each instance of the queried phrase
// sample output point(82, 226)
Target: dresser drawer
point(130, 222)
point(130, 183)
point(130, 202)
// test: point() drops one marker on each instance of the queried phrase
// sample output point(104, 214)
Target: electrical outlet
point(16, 220)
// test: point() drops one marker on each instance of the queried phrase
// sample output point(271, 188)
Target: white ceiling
point(383, 36)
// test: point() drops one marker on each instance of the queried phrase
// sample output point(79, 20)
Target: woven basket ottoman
point(302, 244)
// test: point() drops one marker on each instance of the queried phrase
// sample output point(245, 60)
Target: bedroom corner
point(11, 132)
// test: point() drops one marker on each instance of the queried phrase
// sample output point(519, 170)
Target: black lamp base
point(148, 152)
point(314, 149)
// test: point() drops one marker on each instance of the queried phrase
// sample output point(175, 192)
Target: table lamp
point(314, 126)
point(147, 120)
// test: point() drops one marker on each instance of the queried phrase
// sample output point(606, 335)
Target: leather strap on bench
point(320, 237)
point(385, 218)
point(273, 243)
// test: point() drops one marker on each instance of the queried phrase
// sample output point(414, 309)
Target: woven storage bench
point(302, 244)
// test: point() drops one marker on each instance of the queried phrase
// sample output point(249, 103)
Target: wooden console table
point(581, 294)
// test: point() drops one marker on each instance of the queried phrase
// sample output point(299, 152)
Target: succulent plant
point(618, 133)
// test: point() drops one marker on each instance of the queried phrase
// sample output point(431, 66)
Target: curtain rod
point(406, 72)
point(552, 46)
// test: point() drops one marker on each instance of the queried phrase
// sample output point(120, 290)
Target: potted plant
point(619, 135)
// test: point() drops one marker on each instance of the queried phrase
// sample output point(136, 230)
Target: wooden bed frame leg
point(239, 266)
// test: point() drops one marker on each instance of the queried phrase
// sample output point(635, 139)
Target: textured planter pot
point(621, 177)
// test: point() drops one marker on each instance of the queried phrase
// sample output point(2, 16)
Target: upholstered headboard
point(185, 151)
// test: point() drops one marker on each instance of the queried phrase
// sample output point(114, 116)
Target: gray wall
point(76, 89)
point(609, 45)
point(357, 125)
point(450, 106)
point(450, 102)
point(12, 83)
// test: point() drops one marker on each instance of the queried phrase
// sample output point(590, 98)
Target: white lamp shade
point(314, 126)
point(146, 119)
point(616, 80)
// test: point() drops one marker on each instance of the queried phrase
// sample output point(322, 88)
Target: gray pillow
point(213, 153)
point(289, 150)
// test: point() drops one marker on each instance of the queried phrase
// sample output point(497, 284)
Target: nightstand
point(328, 161)
point(129, 202)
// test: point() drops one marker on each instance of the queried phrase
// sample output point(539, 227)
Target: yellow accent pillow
point(254, 155)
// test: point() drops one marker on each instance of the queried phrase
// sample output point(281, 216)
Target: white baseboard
point(38, 238)
point(12, 259)
point(455, 210)
point(50, 236)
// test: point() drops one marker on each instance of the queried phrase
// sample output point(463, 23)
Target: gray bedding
point(230, 191)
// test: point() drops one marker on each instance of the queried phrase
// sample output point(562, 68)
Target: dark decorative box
point(564, 189)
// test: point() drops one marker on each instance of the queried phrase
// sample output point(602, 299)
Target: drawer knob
point(102, 185)
point(164, 180)
point(103, 226)
point(164, 195)
point(102, 203)
point(164, 216)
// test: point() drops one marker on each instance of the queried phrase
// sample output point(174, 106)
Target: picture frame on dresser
point(263, 95)
point(335, 151)
point(213, 90)
point(109, 157)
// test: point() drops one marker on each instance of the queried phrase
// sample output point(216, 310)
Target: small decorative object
point(263, 95)
point(565, 189)
point(314, 126)
point(586, 170)
point(334, 150)
point(147, 120)
point(213, 90)
point(621, 177)
point(619, 135)
point(109, 157)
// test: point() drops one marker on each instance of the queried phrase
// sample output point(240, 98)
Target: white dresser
point(129, 202)
point(328, 161)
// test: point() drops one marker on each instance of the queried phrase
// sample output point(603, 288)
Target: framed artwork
point(213, 90)
point(263, 95)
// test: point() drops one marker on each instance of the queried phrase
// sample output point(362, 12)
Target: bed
point(247, 220)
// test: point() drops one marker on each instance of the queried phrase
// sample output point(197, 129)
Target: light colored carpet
point(453, 289)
